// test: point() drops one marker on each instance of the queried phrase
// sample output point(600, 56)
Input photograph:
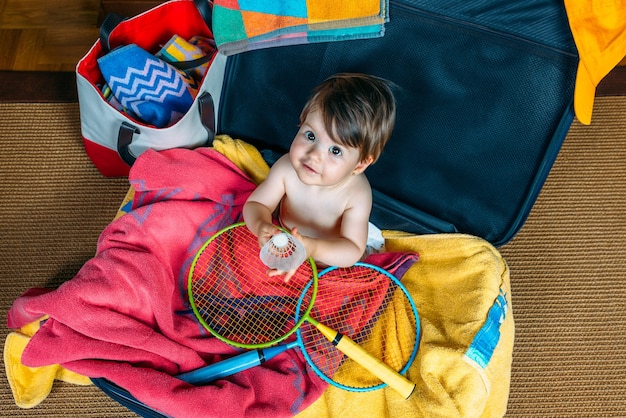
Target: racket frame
point(409, 361)
point(299, 320)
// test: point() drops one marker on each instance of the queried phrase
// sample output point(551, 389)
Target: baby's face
point(318, 159)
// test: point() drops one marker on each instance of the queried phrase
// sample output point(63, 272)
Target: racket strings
point(236, 299)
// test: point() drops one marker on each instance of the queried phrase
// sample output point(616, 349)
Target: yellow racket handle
point(346, 345)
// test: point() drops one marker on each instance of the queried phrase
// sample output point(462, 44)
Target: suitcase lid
point(484, 104)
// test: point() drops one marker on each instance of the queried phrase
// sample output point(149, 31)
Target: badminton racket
point(235, 300)
point(391, 331)
point(375, 314)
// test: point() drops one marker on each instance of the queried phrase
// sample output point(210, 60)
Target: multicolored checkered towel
point(244, 25)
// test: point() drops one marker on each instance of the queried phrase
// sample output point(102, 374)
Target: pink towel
point(125, 315)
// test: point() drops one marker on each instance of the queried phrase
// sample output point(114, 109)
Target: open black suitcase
point(485, 102)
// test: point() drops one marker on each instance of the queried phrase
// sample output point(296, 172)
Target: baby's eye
point(310, 136)
point(336, 151)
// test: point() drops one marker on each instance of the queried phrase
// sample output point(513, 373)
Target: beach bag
point(112, 132)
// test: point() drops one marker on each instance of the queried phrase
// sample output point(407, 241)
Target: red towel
point(125, 316)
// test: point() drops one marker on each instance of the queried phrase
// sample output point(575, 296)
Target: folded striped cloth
point(246, 25)
point(195, 53)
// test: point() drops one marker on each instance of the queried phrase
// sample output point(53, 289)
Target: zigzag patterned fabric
point(148, 88)
point(244, 25)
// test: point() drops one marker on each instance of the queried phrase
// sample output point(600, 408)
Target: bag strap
point(108, 24)
point(127, 131)
point(186, 65)
point(207, 115)
point(124, 139)
point(206, 11)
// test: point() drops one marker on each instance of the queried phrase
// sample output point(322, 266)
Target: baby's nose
point(315, 152)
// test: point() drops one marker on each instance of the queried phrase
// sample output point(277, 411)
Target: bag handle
point(124, 139)
point(206, 11)
point(108, 24)
point(113, 19)
point(127, 131)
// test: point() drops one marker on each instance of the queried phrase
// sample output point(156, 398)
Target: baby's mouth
point(308, 168)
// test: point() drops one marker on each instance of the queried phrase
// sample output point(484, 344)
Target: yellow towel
point(454, 284)
point(31, 385)
point(244, 155)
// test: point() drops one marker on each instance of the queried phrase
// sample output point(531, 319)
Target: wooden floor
point(53, 35)
point(48, 35)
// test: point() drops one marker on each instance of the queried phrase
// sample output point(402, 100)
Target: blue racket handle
point(234, 365)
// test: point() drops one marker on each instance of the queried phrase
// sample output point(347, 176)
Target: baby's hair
point(358, 111)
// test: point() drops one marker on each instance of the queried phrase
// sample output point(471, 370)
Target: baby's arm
point(347, 249)
point(258, 209)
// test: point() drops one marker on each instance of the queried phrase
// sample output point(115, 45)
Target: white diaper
point(375, 240)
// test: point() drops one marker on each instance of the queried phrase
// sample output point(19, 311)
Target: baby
point(318, 190)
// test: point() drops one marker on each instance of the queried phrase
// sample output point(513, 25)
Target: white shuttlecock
point(283, 252)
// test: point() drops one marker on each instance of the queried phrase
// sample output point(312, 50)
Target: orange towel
point(599, 30)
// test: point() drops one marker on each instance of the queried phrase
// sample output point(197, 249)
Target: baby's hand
point(266, 232)
point(288, 274)
point(308, 242)
point(298, 236)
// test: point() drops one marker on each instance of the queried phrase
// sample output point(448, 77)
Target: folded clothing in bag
point(194, 53)
point(149, 88)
